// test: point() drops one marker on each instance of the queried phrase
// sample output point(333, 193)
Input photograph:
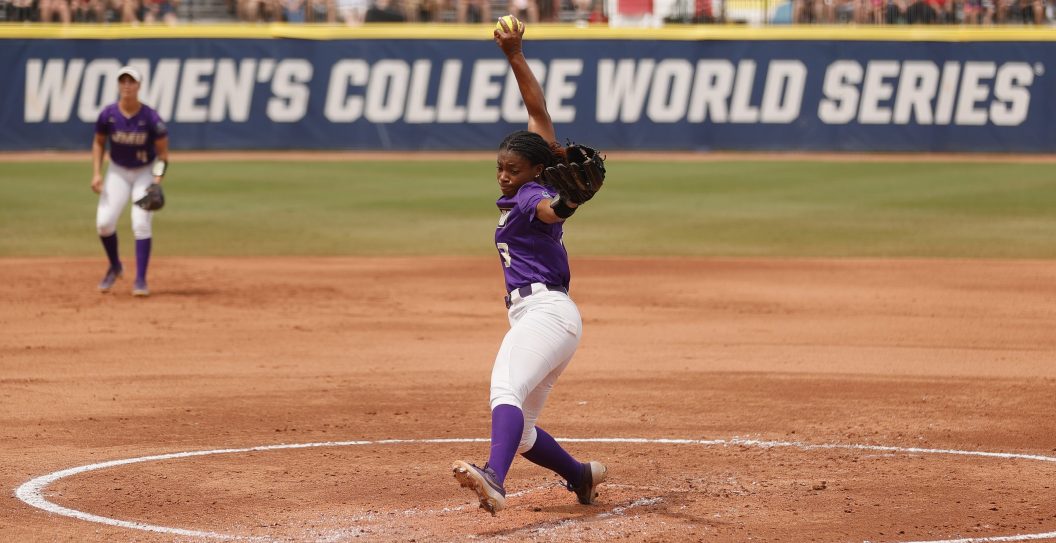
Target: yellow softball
point(511, 22)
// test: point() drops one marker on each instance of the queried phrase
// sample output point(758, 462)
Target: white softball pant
point(121, 185)
point(545, 329)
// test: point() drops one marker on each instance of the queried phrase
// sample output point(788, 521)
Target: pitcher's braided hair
point(534, 148)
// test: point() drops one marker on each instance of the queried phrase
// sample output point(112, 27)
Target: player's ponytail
point(558, 150)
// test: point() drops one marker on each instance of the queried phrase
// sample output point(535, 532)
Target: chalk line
point(32, 492)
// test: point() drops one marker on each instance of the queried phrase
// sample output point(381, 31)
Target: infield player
point(533, 173)
point(139, 154)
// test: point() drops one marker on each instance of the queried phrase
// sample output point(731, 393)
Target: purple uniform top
point(531, 250)
point(131, 138)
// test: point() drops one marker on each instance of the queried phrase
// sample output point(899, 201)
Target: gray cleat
point(482, 481)
point(111, 277)
point(594, 473)
point(139, 288)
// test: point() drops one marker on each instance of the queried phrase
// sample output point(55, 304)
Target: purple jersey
point(131, 138)
point(531, 250)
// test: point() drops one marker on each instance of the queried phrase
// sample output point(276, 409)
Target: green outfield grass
point(736, 208)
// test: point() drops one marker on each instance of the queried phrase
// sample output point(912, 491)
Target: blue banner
point(409, 94)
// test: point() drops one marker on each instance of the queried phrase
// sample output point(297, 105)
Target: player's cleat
point(111, 277)
point(482, 481)
point(594, 474)
point(140, 288)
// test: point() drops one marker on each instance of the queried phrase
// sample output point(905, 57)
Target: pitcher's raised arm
point(509, 40)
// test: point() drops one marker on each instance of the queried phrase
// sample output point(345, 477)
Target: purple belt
point(527, 291)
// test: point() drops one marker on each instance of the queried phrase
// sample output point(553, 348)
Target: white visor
point(131, 72)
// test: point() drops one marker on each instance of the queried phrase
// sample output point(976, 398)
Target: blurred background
point(651, 13)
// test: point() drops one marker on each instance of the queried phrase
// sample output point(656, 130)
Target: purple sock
point(507, 424)
point(547, 453)
point(142, 258)
point(110, 244)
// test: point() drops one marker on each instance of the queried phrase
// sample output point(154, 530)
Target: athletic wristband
point(159, 168)
point(560, 209)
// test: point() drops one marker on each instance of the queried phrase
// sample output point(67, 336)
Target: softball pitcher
point(541, 187)
point(139, 153)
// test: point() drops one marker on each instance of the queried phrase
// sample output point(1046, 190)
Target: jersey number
point(141, 156)
point(504, 252)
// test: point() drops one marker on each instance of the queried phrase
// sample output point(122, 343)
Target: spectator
point(847, 11)
point(88, 11)
point(157, 11)
point(1037, 10)
point(430, 10)
point(382, 11)
point(411, 10)
point(126, 10)
point(422, 10)
point(549, 10)
point(582, 9)
point(825, 11)
point(943, 10)
point(978, 12)
point(895, 12)
point(1002, 9)
point(803, 11)
point(868, 11)
point(322, 11)
point(52, 9)
point(525, 10)
point(855, 11)
point(352, 12)
point(21, 10)
point(920, 12)
point(1024, 10)
point(292, 10)
point(259, 10)
point(473, 11)
point(597, 13)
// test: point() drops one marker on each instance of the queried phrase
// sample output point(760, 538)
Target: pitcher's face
point(513, 170)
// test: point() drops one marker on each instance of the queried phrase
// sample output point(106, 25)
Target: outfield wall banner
point(408, 94)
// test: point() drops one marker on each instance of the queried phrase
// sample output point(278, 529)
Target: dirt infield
point(935, 359)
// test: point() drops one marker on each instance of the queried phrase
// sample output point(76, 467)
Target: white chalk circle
point(32, 491)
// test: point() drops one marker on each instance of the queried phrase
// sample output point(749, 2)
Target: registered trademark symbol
point(1039, 69)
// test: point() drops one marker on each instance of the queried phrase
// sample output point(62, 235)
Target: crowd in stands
point(392, 11)
point(352, 12)
point(355, 12)
point(969, 12)
point(89, 11)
